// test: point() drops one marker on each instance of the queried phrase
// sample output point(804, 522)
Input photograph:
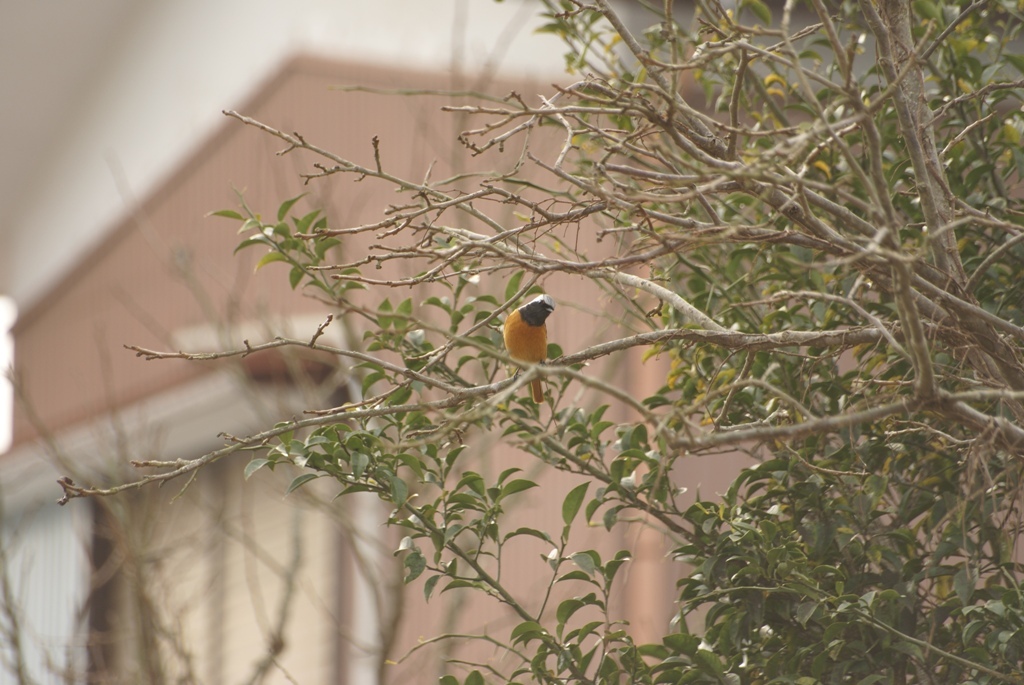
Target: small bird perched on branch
point(526, 336)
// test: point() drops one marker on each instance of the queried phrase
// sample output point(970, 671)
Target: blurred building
point(118, 154)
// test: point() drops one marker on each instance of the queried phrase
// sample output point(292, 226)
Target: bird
point(526, 336)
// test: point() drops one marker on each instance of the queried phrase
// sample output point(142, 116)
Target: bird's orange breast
point(525, 342)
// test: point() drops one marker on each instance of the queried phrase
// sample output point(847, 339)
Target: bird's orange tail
point(537, 390)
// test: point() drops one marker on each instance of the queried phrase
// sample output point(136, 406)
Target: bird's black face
point(536, 311)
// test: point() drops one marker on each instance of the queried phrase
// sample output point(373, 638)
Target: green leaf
point(286, 206)
point(610, 517)
point(255, 465)
point(512, 285)
point(258, 239)
point(526, 631)
point(506, 473)
point(302, 225)
point(760, 10)
point(871, 679)
point(587, 561)
point(459, 583)
point(657, 651)
point(227, 214)
point(682, 643)
point(928, 10)
point(299, 481)
point(576, 575)
point(970, 630)
point(964, 583)
point(474, 481)
point(533, 532)
point(708, 662)
point(250, 225)
point(909, 649)
point(474, 678)
point(567, 608)
point(613, 566)
point(400, 396)
point(295, 276)
point(359, 462)
point(321, 246)
point(518, 485)
point(589, 628)
point(1016, 60)
point(269, 258)
point(399, 491)
point(428, 587)
point(573, 501)
point(414, 563)
point(804, 611)
point(452, 531)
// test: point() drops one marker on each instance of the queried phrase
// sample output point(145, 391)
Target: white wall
point(7, 314)
point(47, 571)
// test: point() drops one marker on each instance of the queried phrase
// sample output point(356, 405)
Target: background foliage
point(812, 210)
